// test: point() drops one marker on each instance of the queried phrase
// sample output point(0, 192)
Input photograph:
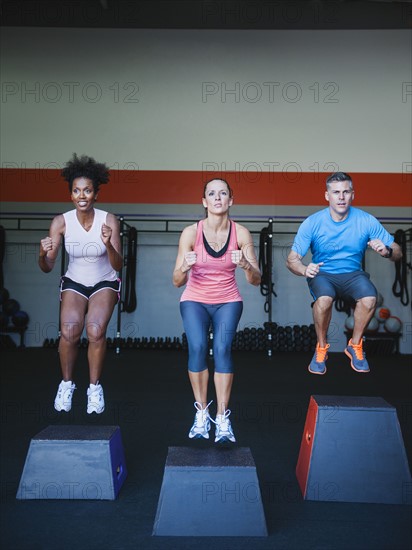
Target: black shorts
point(355, 285)
point(88, 291)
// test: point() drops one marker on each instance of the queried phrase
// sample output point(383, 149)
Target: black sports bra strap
point(222, 251)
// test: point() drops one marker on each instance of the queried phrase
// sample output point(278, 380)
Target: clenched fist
point(46, 245)
point(106, 233)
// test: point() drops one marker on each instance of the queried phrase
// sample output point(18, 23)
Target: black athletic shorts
point(88, 291)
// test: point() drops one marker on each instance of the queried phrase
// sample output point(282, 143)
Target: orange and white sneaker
point(357, 356)
point(318, 363)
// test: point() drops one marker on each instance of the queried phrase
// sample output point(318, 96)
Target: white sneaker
point(95, 399)
point(63, 400)
point(201, 425)
point(224, 431)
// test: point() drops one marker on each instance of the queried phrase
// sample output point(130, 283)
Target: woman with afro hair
point(90, 287)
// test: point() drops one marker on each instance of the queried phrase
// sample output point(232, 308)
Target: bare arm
point(186, 257)
point(111, 239)
point(295, 265)
point(49, 246)
point(246, 256)
point(381, 249)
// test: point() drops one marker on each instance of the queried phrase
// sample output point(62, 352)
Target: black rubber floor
point(148, 395)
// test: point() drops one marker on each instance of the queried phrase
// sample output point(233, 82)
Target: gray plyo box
point(74, 463)
point(210, 492)
point(352, 450)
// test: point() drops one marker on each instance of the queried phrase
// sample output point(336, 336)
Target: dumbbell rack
point(379, 343)
point(18, 330)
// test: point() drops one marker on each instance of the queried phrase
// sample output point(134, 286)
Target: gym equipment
point(379, 300)
point(12, 320)
point(379, 343)
point(345, 305)
point(382, 313)
point(2, 253)
point(4, 295)
point(6, 342)
point(400, 284)
point(373, 325)
point(265, 265)
point(10, 307)
point(393, 325)
point(75, 463)
point(4, 320)
point(128, 298)
point(51, 343)
point(289, 338)
point(210, 492)
point(352, 451)
point(20, 319)
point(350, 322)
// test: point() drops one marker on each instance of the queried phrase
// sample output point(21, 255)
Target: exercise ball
point(4, 295)
point(350, 322)
point(373, 325)
point(10, 307)
point(20, 319)
point(393, 324)
point(382, 313)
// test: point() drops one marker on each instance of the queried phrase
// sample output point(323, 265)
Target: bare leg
point(100, 310)
point(72, 313)
point(364, 310)
point(322, 314)
point(223, 384)
point(199, 382)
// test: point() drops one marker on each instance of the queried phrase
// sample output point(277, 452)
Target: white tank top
point(88, 260)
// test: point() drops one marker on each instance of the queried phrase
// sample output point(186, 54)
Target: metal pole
point(270, 285)
point(269, 257)
point(120, 303)
point(62, 272)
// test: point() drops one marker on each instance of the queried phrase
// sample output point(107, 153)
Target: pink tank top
point(212, 278)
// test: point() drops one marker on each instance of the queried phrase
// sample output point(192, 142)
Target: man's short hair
point(339, 176)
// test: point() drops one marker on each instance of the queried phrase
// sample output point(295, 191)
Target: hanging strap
point(400, 287)
point(130, 297)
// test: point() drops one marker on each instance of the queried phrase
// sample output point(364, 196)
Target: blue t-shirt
point(339, 245)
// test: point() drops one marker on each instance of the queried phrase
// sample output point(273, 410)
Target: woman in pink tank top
point(208, 256)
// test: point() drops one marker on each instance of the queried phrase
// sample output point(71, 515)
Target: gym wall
point(272, 111)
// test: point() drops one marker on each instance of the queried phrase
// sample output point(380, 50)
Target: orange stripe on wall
point(186, 187)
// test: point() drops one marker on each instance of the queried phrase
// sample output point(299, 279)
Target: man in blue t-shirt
point(338, 237)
